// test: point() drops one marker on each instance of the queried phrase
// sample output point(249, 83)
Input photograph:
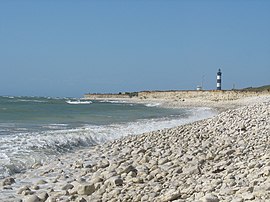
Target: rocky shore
point(225, 158)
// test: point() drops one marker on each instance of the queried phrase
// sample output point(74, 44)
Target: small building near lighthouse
point(219, 80)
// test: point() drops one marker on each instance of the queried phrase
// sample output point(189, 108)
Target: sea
point(36, 129)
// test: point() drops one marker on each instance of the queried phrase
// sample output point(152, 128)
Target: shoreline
point(175, 102)
point(101, 172)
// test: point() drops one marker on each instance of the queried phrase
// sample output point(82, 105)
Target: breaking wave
point(18, 151)
point(114, 101)
point(152, 104)
point(78, 102)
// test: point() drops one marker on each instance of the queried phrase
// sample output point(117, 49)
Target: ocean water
point(33, 129)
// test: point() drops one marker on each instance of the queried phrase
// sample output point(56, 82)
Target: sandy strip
point(224, 158)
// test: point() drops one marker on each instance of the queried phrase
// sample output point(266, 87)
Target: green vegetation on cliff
point(132, 94)
point(262, 88)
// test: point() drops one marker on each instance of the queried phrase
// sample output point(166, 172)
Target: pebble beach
point(224, 158)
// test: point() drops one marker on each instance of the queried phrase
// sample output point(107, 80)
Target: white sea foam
point(55, 126)
point(114, 101)
point(4, 160)
point(10, 97)
point(152, 104)
point(39, 101)
point(77, 102)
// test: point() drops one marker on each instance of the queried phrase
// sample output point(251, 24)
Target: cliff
point(211, 95)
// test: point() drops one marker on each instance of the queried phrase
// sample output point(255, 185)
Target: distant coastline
point(208, 94)
point(218, 99)
point(182, 95)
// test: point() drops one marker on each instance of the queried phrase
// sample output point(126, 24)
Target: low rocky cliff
point(209, 95)
point(205, 95)
point(105, 96)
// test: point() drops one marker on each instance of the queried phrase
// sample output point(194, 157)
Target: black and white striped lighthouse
point(219, 80)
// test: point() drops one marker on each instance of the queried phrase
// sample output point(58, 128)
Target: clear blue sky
point(68, 48)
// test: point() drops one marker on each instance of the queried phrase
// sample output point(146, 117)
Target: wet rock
point(8, 181)
point(78, 164)
point(37, 165)
point(24, 188)
point(40, 182)
point(35, 187)
point(67, 187)
point(27, 192)
point(43, 196)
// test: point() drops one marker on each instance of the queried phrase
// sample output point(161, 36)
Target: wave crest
point(25, 149)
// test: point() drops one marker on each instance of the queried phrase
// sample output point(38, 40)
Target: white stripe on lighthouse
point(218, 84)
point(218, 77)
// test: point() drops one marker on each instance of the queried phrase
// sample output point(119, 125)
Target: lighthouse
point(219, 80)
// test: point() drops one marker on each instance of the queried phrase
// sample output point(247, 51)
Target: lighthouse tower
point(219, 80)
